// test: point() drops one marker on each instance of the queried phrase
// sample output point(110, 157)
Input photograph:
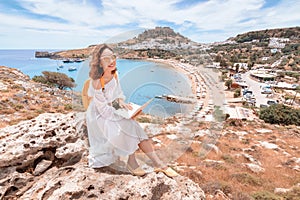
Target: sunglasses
point(108, 59)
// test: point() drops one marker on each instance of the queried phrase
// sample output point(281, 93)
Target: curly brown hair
point(96, 70)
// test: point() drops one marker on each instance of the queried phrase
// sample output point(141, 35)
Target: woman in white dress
point(111, 135)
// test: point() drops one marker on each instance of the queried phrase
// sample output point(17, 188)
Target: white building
point(278, 42)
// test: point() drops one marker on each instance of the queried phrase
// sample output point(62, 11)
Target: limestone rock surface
point(46, 158)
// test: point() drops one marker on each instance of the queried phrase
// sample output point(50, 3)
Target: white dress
point(110, 135)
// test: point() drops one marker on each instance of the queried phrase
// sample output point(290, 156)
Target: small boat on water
point(78, 60)
point(59, 64)
point(72, 68)
point(68, 60)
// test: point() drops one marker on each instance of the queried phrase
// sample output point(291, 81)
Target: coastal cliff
point(72, 54)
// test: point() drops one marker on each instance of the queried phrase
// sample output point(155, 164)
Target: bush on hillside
point(291, 48)
point(280, 114)
point(265, 195)
point(237, 93)
point(60, 80)
point(228, 83)
point(40, 79)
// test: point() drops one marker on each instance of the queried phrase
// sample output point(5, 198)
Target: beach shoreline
point(176, 65)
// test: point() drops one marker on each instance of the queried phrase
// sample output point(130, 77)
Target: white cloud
point(19, 32)
point(72, 11)
point(81, 22)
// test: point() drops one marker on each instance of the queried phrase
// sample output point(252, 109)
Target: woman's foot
point(133, 166)
point(136, 171)
point(168, 171)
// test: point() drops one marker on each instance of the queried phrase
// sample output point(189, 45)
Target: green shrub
point(39, 79)
point(144, 120)
point(224, 77)
point(237, 93)
point(211, 187)
point(265, 195)
point(280, 114)
point(246, 178)
point(39, 111)
point(68, 107)
point(17, 87)
point(228, 84)
point(19, 106)
point(228, 158)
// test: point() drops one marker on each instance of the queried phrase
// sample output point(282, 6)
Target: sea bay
point(140, 80)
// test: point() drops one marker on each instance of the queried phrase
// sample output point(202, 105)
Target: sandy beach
point(178, 66)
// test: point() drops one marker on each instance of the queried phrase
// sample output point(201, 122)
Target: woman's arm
point(119, 91)
point(121, 97)
point(102, 106)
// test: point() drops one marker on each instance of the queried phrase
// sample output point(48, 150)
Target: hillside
point(292, 33)
point(280, 47)
point(246, 160)
point(159, 37)
point(160, 42)
point(274, 48)
point(23, 99)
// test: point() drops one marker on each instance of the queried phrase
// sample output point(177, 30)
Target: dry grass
point(239, 180)
point(15, 109)
point(265, 195)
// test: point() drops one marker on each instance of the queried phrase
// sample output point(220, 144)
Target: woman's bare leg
point(132, 161)
point(147, 148)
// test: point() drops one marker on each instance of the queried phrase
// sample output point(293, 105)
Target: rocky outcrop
point(81, 182)
point(42, 54)
point(46, 54)
point(46, 158)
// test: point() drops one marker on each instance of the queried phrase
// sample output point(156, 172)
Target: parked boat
point(72, 68)
point(59, 64)
point(68, 60)
point(78, 60)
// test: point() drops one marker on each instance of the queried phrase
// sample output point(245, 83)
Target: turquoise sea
point(140, 80)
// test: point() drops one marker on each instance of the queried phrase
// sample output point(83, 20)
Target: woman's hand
point(124, 105)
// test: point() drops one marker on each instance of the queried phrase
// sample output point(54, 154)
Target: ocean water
point(140, 80)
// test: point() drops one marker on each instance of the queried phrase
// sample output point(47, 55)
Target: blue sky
point(66, 24)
